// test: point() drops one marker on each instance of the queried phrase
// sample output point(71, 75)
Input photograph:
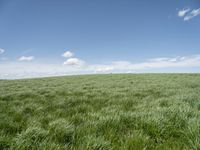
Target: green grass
point(101, 112)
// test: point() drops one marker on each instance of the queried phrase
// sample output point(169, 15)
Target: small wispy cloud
point(67, 54)
point(192, 14)
point(2, 51)
point(26, 58)
point(187, 14)
point(74, 62)
point(182, 13)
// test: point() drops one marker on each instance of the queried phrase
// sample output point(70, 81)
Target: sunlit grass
point(97, 112)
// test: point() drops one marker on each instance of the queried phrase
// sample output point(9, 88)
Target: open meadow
point(101, 112)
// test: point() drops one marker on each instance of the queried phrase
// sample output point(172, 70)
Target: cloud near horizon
point(26, 58)
point(156, 63)
point(74, 66)
point(74, 62)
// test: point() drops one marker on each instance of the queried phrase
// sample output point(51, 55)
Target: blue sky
point(102, 36)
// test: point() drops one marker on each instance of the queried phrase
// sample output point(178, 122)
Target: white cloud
point(195, 12)
point(67, 54)
point(161, 59)
point(152, 64)
point(188, 14)
point(182, 13)
point(74, 62)
point(192, 14)
point(26, 58)
point(2, 51)
point(16, 70)
point(104, 69)
point(76, 66)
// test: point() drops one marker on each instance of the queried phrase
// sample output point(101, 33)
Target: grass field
point(101, 112)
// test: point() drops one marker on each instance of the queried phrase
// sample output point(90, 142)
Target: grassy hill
point(97, 112)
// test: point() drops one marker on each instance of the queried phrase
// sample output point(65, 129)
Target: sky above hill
point(58, 37)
